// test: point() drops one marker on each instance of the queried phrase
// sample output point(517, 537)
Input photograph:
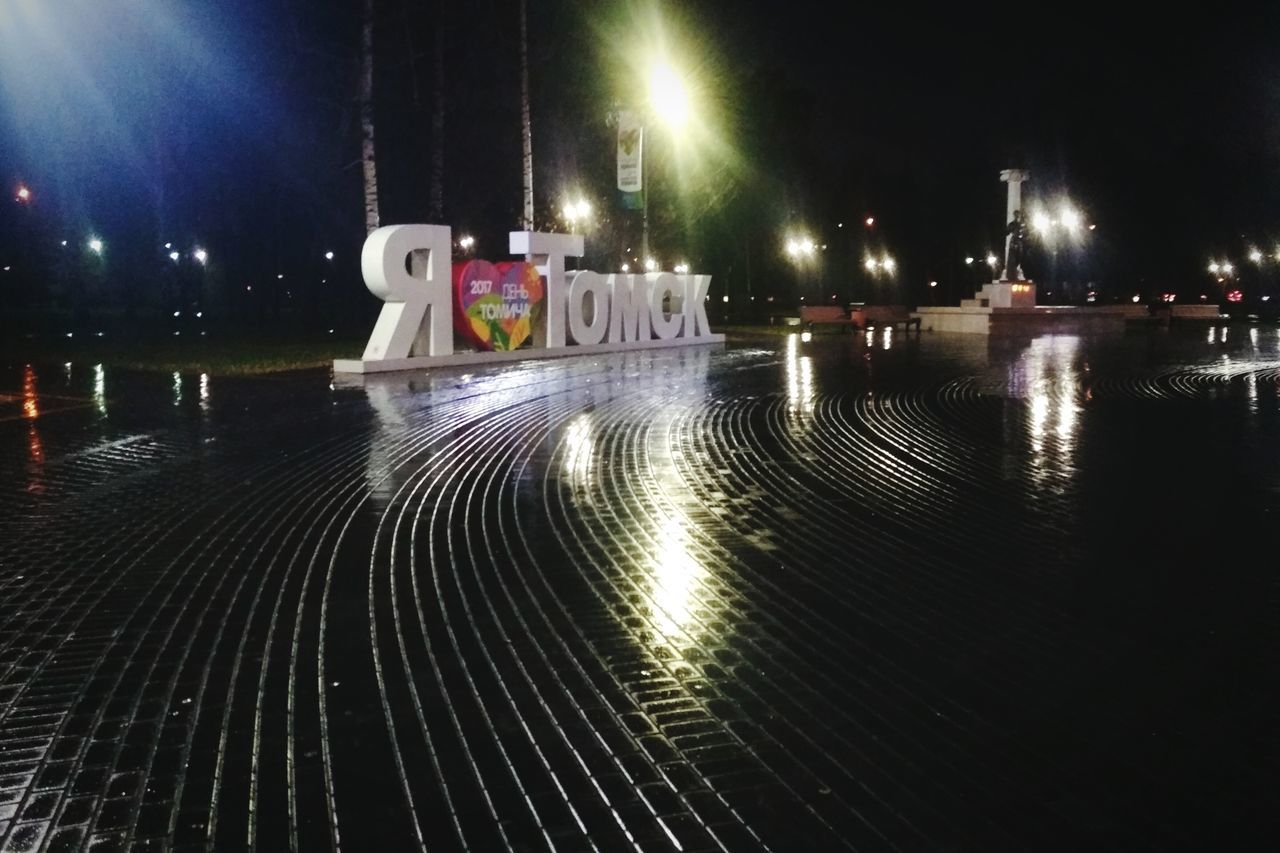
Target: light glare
point(668, 95)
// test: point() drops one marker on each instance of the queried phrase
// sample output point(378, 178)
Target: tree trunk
point(366, 121)
point(527, 221)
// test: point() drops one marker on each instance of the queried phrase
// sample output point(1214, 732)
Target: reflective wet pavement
point(880, 593)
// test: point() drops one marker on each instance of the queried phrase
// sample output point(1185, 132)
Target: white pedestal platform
point(1010, 306)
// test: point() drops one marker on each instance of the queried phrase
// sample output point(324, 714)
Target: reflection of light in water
point(888, 336)
point(35, 460)
point(30, 402)
point(177, 387)
point(1253, 336)
point(99, 389)
point(66, 371)
point(204, 392)
point(676, 578)
point(578, 451)
point(1039, 417)
point(35, 447)
point(799, 377)
point(1046, 375)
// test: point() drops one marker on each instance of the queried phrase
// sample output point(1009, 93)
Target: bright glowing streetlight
point(24, 194)
point(669, 103)
point(201, 256)
point(1070, 219)
point(95, 245)
point(328, 256)
point(800, 247)
point(575, 212)
point(802, 251)
point(668, 95)
point(884, 264)
point(1255, 256)
point(968, 260)
point(992, 260)
point(173, 256)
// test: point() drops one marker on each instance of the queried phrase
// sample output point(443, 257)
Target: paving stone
point(936, 592)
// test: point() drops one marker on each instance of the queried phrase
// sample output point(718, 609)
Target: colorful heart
point(495, 306)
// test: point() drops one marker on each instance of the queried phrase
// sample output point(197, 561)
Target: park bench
point(826, 315)
point(886, 315)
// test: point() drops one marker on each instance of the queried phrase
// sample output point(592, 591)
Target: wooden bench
point(886, 315)
point(825, 315)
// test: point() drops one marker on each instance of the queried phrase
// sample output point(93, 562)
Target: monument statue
point(1015, 247)
point(1015, 230)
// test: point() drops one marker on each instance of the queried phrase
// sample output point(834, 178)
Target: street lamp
point(1222, 270)
point(669, 103)
point(575, 212)
point(95, 245)
point(801, 249)
point(23, 195)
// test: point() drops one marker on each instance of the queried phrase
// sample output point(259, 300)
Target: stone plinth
point(1003, 294)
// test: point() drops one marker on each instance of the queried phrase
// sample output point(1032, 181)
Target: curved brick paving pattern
point(862, 592)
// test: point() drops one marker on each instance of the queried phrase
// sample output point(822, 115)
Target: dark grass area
point(215, 354)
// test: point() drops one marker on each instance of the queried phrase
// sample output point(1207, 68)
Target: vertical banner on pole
point(630, 160)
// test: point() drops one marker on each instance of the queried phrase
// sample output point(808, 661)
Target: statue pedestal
point(1008, 294)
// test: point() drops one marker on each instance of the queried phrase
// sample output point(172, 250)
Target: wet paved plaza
point(926, 593)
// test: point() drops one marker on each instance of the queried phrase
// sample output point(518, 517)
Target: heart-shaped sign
point(496, 306)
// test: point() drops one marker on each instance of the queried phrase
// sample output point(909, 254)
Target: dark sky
point(228, 120)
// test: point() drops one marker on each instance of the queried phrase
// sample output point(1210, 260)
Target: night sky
point(235, 124)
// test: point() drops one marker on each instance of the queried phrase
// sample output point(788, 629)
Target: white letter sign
point(389, 254)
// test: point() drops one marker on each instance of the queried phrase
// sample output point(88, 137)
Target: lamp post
point(576, 212)
point(1053, 229)
point(669, 104)
point(802, 251)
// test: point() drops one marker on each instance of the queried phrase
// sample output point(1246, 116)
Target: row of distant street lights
point(96, 245)
point(1223, 270)
point(798, 248)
